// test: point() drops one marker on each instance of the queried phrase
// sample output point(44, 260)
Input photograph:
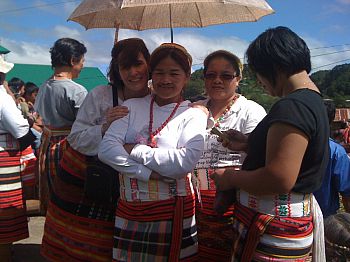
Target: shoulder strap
point(115, 95)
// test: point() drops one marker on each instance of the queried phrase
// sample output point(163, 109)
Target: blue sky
point(29, 28)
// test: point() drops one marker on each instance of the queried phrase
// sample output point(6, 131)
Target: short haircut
point(330, 107)
point(125, 54)
point(230, 57)
point(15, 85)
point(176, 52)
point(65, 50)
point(30, 88)
point(278, 50)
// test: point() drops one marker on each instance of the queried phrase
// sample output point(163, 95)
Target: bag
point(101, 180)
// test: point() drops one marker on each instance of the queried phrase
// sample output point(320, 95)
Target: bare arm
point(286, 146)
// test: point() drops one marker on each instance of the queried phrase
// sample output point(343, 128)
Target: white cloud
point(26, 53)
point(199, 46)
point(326, 58)
point(64, 31)
point(345, 2)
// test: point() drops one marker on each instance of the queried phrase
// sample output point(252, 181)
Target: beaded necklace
point(152, 140)
point(227, 109)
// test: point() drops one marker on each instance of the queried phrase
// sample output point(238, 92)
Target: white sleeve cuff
point(138, 152)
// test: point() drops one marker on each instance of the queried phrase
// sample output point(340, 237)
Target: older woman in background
point(57, 102)
point(228, 110)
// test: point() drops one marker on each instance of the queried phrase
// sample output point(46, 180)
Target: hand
point(201, 106)
point(129, 147)
point(236, 141)
point(223, 178)
point(113, 114)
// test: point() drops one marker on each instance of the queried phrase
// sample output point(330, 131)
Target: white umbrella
point(151, 14)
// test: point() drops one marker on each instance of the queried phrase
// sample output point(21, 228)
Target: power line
point(336, 52)
point(36, 6)
point(331, 63)
point(323, 47)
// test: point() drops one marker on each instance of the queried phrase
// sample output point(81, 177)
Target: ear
point(72, 63)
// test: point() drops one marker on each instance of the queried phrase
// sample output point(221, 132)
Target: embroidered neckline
point(152, 140)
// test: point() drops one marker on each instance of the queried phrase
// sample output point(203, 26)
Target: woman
point(57, 102)
point(16, 158)
point(91, 223)
point(155, 148)
point(287, 156)
point(228, 110)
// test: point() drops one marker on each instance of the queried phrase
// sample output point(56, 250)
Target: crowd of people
point(134, 172)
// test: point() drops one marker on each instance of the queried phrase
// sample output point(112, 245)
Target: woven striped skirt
point(215, 235)
point(76, 229)
point(156, 231)
point(282, 232)
point(16, 171)
point(50, 154)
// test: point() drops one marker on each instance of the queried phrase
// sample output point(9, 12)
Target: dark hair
point(174, 51)
point(125, 54)
point(15, 85)
point(337, 236)
point(278, 50)
point(30, 88)
point(230, 57)
point(2, 77)
point(65, 50)
point(330, 107)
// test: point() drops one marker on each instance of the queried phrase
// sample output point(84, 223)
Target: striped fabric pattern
point(13, 219)
point(215, 235)
point(156, 230)
point(76, 229)
point(262, 237)
point(50, 154)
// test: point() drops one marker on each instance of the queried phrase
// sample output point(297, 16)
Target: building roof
point(342, 114)
point(4, 50)
point(89, 77)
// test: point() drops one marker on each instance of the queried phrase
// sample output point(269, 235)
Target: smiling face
point(168, 79)
point(221, 79)
point(135, 77)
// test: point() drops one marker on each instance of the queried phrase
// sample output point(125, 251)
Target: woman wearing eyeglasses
point(228, 110)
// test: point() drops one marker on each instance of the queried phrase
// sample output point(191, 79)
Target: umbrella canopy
point(151, 14)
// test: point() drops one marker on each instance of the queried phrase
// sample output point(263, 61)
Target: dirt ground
point(28, 250)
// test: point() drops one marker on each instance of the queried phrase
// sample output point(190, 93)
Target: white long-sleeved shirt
point(179, 147)
point(86, 134)
point(11, 119)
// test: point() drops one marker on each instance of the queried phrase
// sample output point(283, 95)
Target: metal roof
point(89, 77)
point(4, 50)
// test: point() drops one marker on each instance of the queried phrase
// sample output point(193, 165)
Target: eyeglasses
point(223, 77)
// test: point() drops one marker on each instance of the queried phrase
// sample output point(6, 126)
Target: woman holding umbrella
point(78, 227)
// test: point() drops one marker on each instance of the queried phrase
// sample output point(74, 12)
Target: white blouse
point(180, 144)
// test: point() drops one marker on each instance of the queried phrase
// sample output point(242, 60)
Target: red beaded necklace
point(227, 109)
point(152, 140)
